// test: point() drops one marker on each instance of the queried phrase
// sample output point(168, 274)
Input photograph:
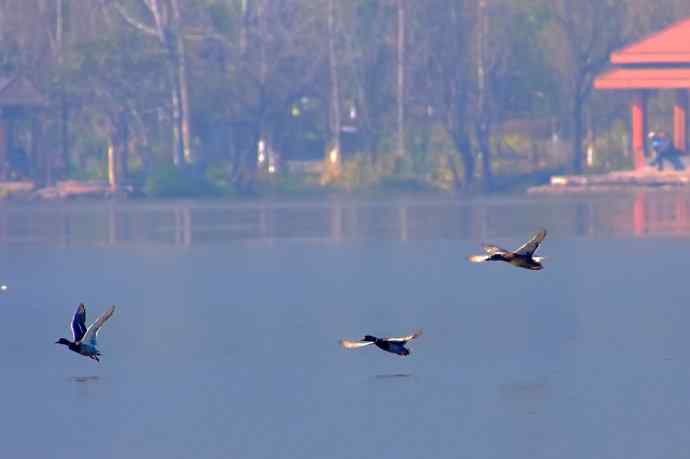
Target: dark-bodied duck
point(394, 345)
point(85, 338)
point(522, 257)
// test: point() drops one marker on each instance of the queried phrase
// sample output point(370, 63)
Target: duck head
point(63, 341)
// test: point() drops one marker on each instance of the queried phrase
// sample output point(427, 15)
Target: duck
point(522, 257)
point(84, 339)
point(388, 344)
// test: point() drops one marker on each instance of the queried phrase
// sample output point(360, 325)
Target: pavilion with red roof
point(660, 61)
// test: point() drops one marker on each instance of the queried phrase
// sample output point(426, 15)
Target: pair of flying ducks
point(522, 257)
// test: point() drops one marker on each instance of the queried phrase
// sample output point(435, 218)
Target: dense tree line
point(203, 83)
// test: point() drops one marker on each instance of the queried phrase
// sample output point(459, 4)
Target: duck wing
point(79, 323)
point(92, 332)
point(348, 344)
point(530, 246)
point(404, 339)
point(493, 249)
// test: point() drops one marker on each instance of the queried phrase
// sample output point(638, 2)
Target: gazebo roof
point(659, 61)
point(668, 46)
point(644, 78)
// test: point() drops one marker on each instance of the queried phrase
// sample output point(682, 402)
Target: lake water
point(225, 340)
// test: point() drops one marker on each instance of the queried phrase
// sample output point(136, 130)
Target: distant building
point(21, 155)
point(658, 62)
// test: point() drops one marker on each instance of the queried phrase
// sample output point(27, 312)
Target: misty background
point(217, 97)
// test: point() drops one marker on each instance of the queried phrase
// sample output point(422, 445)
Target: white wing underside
point(404, 339)
point(478, 258)
point(347, 344)
point(493, 249)
point(92, 332)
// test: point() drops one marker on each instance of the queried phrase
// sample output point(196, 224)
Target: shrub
point(180, 182)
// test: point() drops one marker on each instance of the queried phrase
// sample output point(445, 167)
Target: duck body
point(520, 261)
point(391, 346)
point(81, 348)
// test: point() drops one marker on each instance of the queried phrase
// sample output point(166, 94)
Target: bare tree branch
point(138, 25)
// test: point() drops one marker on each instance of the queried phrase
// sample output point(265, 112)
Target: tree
point(590, 31)
point(334, 155)
point(401, 6)
point(166, 26)
point(449, 55)
point(273, 59)
point(483, 96)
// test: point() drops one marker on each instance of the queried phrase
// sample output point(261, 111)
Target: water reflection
point(84, 379)
point(525, 390)
point(183, 224)
point(393, 376)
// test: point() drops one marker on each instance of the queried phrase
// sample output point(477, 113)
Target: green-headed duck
point(85, 338)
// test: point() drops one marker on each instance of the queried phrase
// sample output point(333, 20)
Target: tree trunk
point(118, 151)
point(182, 83)
point(64, 136)
point(335, 81)
point(483, 136)
point(111, 162)
point(244, 28)
point(122, 146)
point(401, 79)
point(178, 151)
point(482, 129)
point(246, 178)
point(464, 147)
point(577, 135)
point(333, 154)
point(64, 113)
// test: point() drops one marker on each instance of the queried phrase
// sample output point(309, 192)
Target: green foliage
point(409, 184)
point(182, 182)
point(358, 173)
point(610, 150)
point(524, 84)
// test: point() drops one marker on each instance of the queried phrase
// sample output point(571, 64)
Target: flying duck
point(85, 338)
point(394, 345)
point(522, 257)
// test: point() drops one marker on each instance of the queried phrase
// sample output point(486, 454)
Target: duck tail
point(478, 258)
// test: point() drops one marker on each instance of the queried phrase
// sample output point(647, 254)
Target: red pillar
point(638, 110)
point(680, 120)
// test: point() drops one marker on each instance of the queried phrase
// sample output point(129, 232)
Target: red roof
point(644, 78)
point(669, 46)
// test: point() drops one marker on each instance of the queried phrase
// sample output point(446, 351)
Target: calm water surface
point(225, 341)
